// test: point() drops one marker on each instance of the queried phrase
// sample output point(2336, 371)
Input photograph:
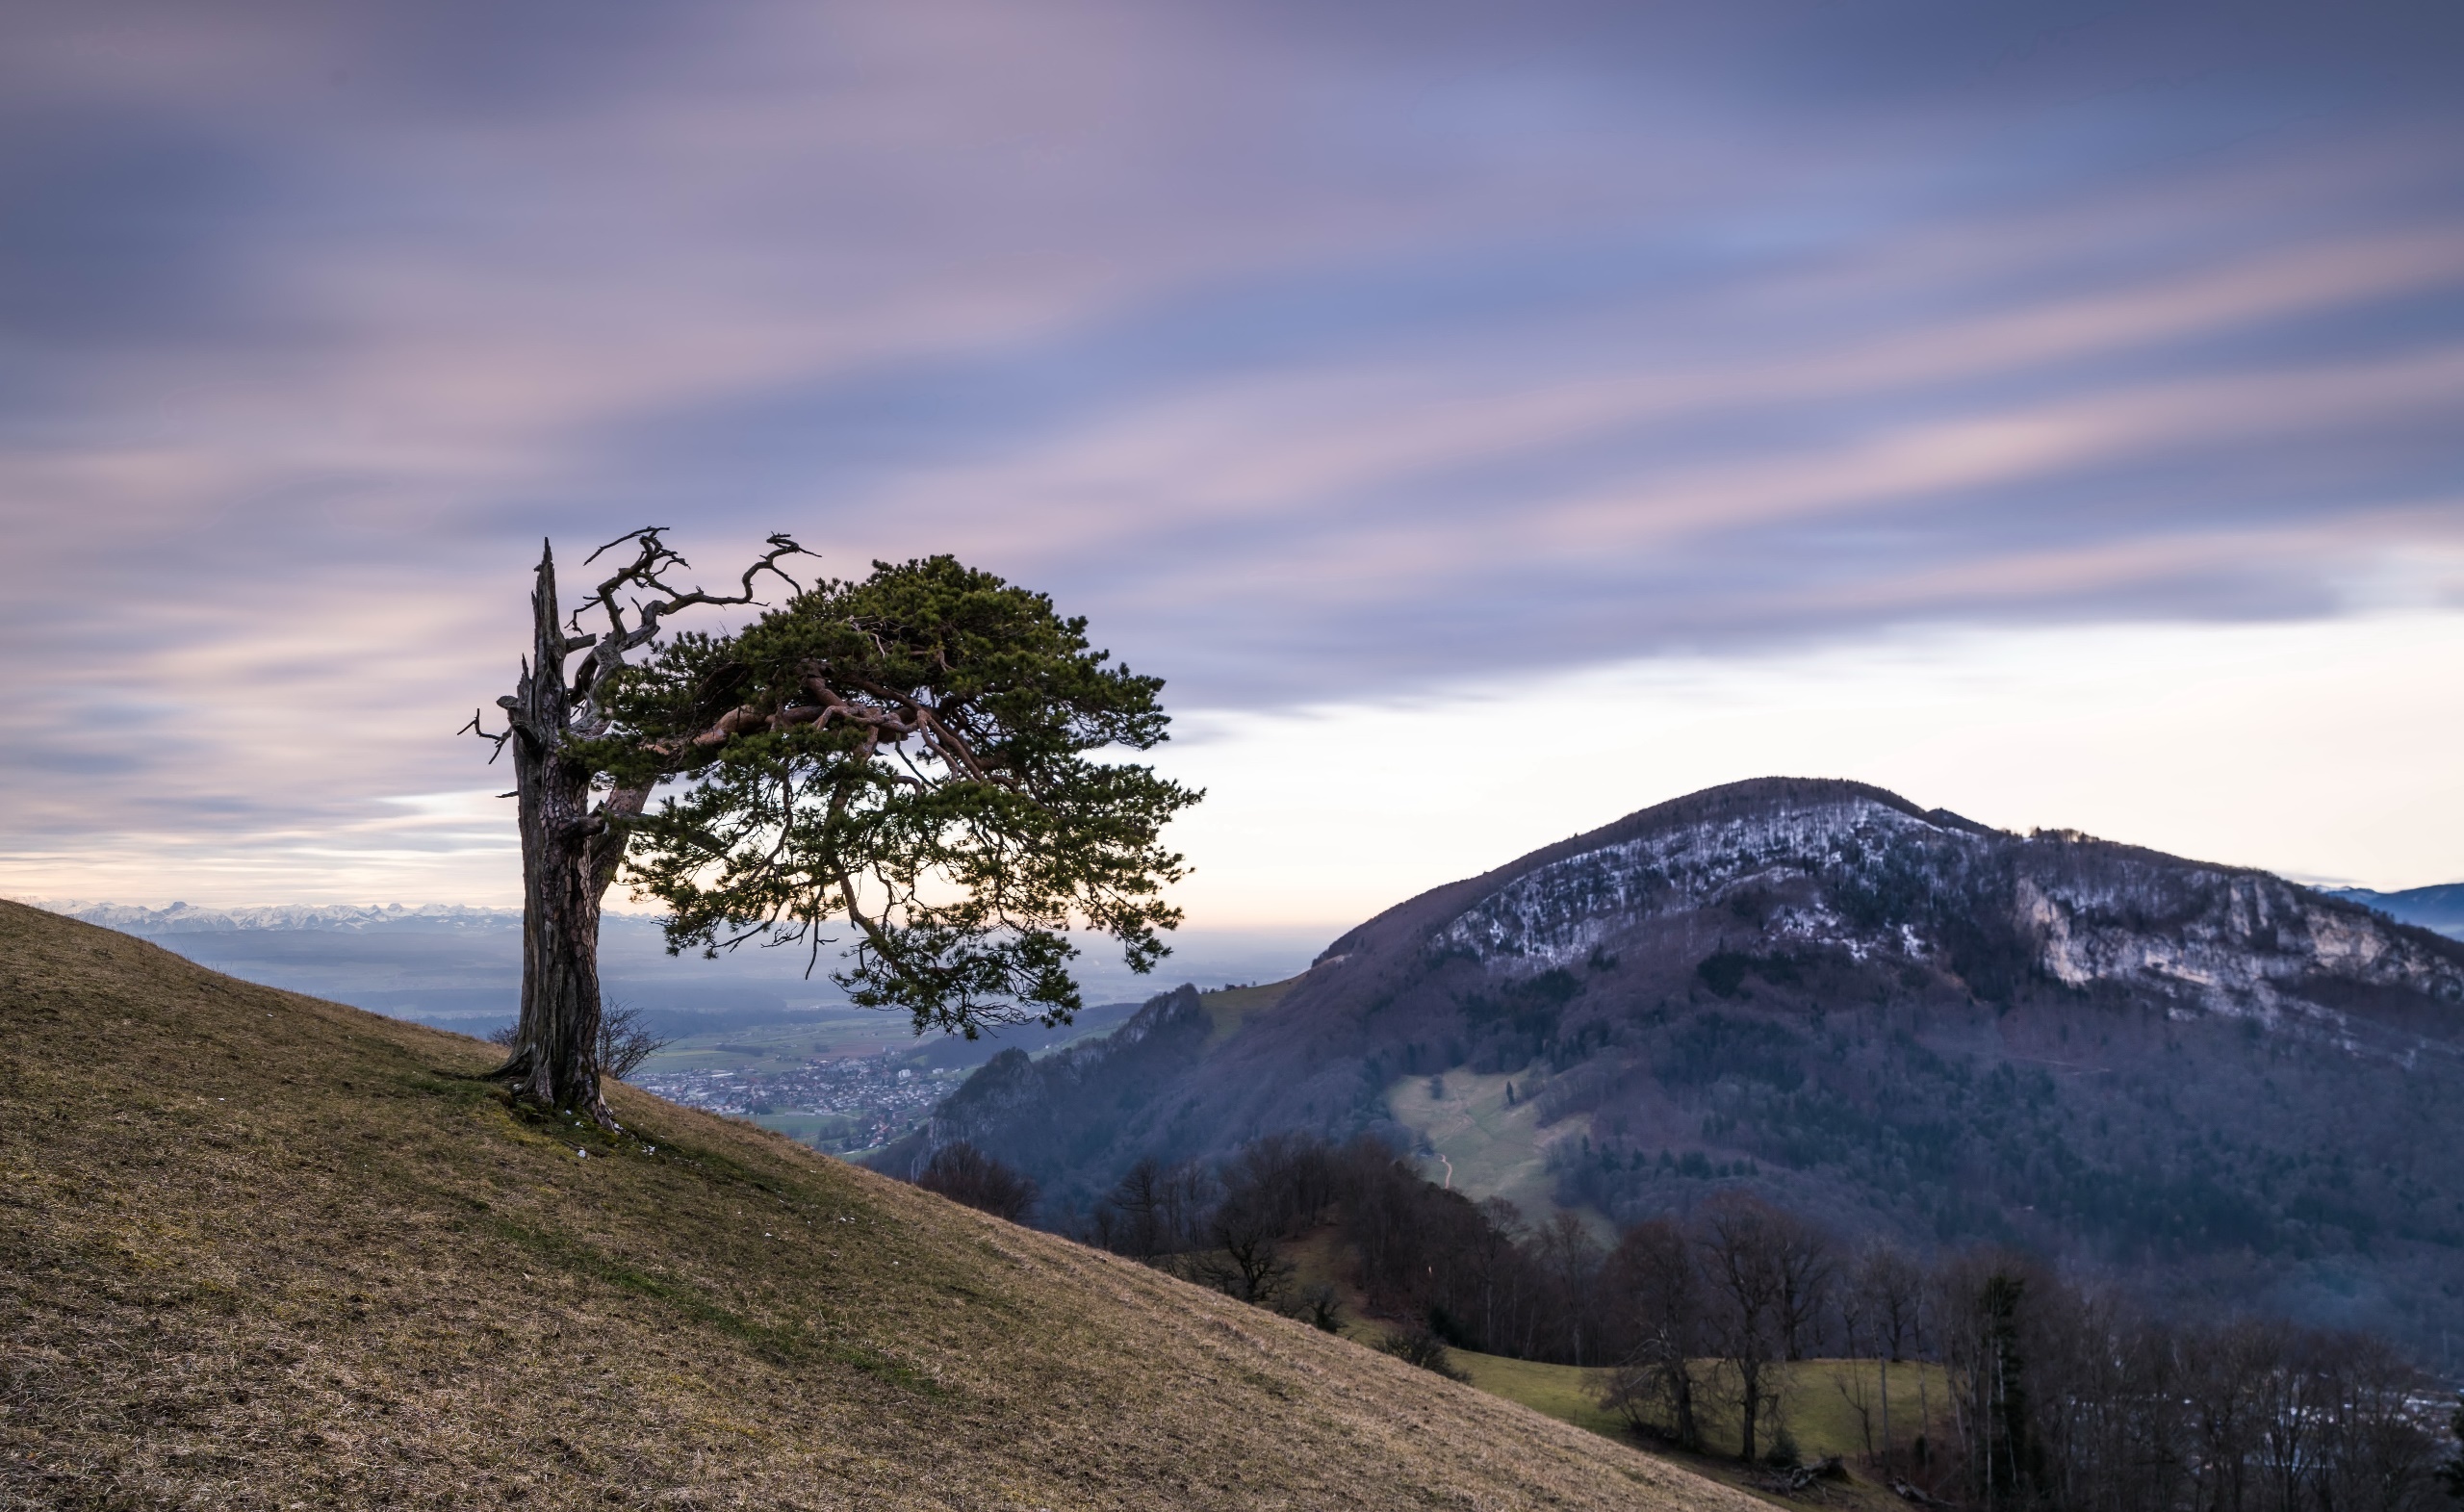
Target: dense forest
point(2034, 1390)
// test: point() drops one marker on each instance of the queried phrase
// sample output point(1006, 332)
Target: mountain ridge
point(2439, 907)
point(1902, 1021)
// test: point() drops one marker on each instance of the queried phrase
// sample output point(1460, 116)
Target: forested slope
point(257, 1249)
point(2203, 1078)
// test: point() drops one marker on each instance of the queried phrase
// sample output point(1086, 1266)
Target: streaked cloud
point(1324, 357)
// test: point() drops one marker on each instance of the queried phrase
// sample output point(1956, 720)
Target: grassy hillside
point(1482, 1145)
point(257, 1249)
point(1816, 1399)
point(1228, 1006)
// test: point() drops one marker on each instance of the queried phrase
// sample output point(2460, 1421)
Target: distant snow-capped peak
point(181, 918)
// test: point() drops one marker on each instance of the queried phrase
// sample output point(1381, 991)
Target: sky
point(1488, 420)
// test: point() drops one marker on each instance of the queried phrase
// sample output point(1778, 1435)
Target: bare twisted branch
point(497, 738)
point(646, 574)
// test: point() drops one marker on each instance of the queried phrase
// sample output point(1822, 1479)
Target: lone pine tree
point(907, 755)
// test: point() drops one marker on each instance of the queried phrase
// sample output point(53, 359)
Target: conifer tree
point(901, 764)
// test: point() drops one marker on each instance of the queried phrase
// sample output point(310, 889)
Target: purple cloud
point(1315, 352)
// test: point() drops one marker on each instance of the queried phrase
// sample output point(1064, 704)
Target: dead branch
point(647, 572)
point(495, 740)
point(642, 587)
point(1798, 1481)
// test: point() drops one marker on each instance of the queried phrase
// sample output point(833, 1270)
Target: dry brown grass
point(260, 1251)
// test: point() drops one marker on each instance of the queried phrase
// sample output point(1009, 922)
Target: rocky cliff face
point(1860, 873)
point(1896, 1018)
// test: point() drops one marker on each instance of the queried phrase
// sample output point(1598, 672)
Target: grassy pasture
point(262, 1250)
point(803, 1127)
point(1480, 1144)
point(1816, 1399)
point(780, 1046)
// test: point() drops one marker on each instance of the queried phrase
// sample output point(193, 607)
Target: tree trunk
point(1749, 1409)
point(569, 858)
point(1752, 1400)
point(1886, 1375)
point(560, 1007)
point(1688, 1434)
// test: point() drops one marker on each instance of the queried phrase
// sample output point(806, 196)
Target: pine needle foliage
point(914, 758)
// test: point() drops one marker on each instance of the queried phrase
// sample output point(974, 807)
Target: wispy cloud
point(1317, 353)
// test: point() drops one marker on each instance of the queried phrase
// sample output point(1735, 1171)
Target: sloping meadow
point(257, 1249)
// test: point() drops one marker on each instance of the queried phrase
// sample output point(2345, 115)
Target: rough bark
point(570, 855)
point(570, 851)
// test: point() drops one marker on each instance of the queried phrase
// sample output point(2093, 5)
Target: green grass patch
point(1566, 1393)
point(1818, 1400)
point(806, 1128)
point(1482, 1144)
point(1226, 1007)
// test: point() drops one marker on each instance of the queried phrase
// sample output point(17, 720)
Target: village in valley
point(844, 1104)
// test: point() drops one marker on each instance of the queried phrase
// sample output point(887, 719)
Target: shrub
point(1321, 1307)
point(624, 1045)
point(1422, 1347)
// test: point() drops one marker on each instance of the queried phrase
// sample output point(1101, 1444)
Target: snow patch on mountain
point(1559, 912)
point(1858, 875)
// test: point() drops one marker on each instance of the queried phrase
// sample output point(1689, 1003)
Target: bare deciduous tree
point(1248, 1262)
point(1570, 1259)
point(1321, 1307)
point(965, 1174)
point(1494, 1260)
point(1848, 1375)
point(1654, 1286)
point(1741, 1246)
point(1889, 1291)
point(1802, 1254)
point(1154, 1210)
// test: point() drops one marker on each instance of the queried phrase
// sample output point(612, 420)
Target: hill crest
point(250, 1240)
